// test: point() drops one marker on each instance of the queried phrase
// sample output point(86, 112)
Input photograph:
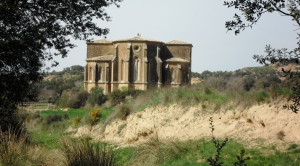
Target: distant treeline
point(252, 78)
point(73, 70)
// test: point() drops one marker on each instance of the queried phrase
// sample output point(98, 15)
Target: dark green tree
point(34, 31)
point(251, 12)
point(97, 96)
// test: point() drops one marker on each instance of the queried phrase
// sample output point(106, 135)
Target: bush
point(123, 112)
point(248, 83)
point(80, 100)
point(83, 152)
point(64, 100)
point(95, 116)
point(97, 96)
point(52, 119)
point(216, 82)
point(76, 121)
point(119, 96)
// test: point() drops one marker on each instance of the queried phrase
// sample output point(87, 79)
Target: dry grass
point(83, 152)
point(17, 151)
point(122, 112)
point(156, 151)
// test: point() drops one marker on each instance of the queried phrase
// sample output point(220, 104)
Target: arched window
point(136, 69)
point(86, 74)
point(123, 70)
point(90, 73)
point(99, 73)
point(107, 74)
point(172, 73)
point(179, 74)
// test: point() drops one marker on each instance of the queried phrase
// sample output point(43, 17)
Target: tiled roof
point(138, 38)
point(177, 42)
point(102, 58)
point(102, 41)
point(174, 59)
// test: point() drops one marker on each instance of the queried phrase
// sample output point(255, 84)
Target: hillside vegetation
point(167, 126)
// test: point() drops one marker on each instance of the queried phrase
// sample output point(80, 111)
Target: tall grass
point(201, 94)
point(17, 151)
point(82, 152)
point(155, 152)
point(185, 96)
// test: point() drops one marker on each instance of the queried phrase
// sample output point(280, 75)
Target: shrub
point(97, 96)
point(261, 96)
point(95, 116)
point(123, 112)
point(63, 100)
point(83, 152)
point(80, 100)
point(216, 82)
point(248, 83)
point(13, 122)
point(236, 84)
point(52, 119)
point(76, 121)
point(119, 96)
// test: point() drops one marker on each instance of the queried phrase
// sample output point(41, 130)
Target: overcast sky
point(200, 22)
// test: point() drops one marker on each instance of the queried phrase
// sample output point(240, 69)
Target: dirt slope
point(266, 122)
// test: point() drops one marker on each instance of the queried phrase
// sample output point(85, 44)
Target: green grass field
point(49, 135)
point(196, 153)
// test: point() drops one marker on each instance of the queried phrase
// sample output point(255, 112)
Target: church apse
point(137, 63)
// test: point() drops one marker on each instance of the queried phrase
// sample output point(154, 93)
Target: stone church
point(137, 63)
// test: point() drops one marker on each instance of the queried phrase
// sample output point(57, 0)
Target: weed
point(241, 160)
point(219, 145)
point(216, 160)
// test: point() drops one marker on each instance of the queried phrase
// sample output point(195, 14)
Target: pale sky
point(200, 22)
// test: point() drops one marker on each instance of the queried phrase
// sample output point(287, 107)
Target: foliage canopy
point(34, 31)
point(251, 12)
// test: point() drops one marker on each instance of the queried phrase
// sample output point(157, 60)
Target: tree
point(251, 12)
point(34, 31)
point(97, 96)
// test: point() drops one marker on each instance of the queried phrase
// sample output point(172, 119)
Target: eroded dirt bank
point(268, 122)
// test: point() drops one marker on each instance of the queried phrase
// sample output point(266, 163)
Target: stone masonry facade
point(137, 63)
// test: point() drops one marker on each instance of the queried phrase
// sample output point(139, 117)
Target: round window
point(136, 48)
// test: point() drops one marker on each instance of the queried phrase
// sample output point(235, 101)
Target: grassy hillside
point(50, 131)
